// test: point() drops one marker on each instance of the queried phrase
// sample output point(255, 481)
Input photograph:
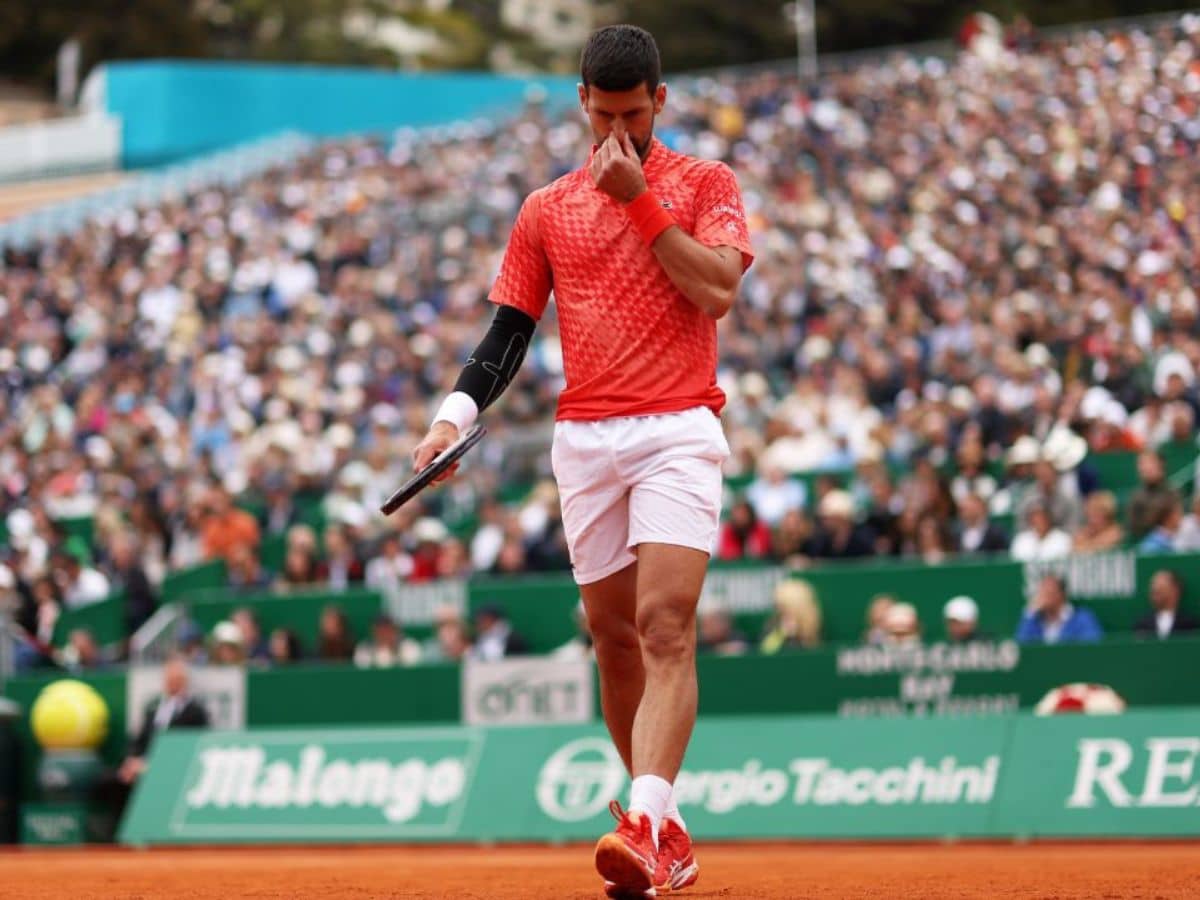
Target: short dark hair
point(620, 58)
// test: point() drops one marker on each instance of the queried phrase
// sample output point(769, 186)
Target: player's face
point(635, 109)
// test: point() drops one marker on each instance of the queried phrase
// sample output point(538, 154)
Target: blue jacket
point(1081, 626)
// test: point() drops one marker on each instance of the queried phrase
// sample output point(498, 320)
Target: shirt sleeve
point(524, 279)
point(720, 216)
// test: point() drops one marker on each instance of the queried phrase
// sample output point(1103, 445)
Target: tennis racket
point(440, 464)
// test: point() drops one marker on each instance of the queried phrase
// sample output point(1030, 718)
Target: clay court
point(776, 871)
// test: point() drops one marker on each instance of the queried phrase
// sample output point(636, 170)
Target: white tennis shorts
point(638, 479)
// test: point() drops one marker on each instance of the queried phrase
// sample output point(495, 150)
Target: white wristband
point(459, 409)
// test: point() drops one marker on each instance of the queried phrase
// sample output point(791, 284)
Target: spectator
point(335, 642)
point(1166, 619)
point(489, 536)
point(933, 544)
point(279, 513)
point(38, 618)
point(1057, 495)
point(1019, 484)
point(1152, 496)
point(961, 615)
point(284, 647)
point(976, 533)
point(174, 708)
point(428, 534)
point(1169, 523)
point(1100, 530)
point(1188, 538)
point(189, 642)
point(301, 569)
point(150, 538)
point(838, 537)
point(391, 568)
point(387, 647)
point(877, 611)
point(901, 626)
point(227, 646)
point(494, 635)
point(244, 573)
point(247, 623)
point(226, 528)
point(453, 640)
point(972, 478)
point(1040, 541)
point(82, 653)
point(129, 577)
point(773, 495)
point(796, 622)
point(742, 535)
point(787, 541)
point(81, 584)
point(579, 646)
point(717, 635)
point(342, 567)
point(1052, 619)
point(455, 562)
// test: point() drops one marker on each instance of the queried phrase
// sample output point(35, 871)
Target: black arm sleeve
point(499, 355)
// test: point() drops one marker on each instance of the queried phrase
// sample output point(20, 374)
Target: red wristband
point(648, 216)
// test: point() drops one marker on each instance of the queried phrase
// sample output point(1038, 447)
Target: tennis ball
point(69, 715)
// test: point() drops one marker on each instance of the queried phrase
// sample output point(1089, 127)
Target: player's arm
point(489, 370)
point(707, 274)
point(521, 292)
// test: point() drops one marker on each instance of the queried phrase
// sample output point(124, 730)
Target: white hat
point(1095, 399)
point(430, 529)
point(753, 384)
point(901, 616)
point(340, 435)
point(961, 609)
point(227, 633)
point(1115, 414)
point(1064, 448)
point(1038, 356)
point(1173, 364)
point(961, 397)
point(1025, 451)
point(837, 503)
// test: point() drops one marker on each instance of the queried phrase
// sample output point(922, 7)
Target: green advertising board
point(791, 777)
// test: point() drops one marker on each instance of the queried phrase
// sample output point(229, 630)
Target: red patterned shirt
point(632, 344)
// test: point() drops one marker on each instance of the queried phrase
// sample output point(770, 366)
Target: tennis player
point(644, 249)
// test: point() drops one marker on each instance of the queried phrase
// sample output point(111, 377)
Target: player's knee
point(612, 635)
point(667, 630)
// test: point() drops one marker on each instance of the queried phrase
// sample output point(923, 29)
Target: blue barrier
point(174, 109)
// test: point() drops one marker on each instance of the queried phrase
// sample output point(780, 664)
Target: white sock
point(650, 796)
point(672, 813)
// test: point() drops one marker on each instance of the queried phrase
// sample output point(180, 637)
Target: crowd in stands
point(970, 275)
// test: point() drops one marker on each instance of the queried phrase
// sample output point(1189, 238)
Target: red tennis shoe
point(677, 866)
point(626, 857)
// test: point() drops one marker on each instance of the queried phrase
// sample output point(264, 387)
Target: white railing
point(154, 641)
point(60, 146)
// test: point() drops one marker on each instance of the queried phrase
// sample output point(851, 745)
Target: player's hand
point(616, 168)
point(441, 435)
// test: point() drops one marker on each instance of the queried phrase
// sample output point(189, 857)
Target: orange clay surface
point(887, 872)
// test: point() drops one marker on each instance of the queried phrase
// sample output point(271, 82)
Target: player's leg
point(673, 463)
point(611, 606)
point(670, 578)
